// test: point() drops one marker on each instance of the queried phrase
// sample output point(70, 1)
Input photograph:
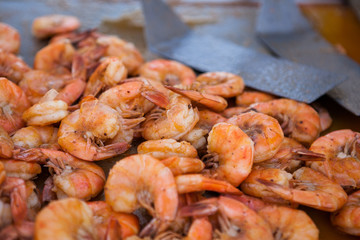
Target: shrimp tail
point(199, 209)
point(111, 150)
point(113, 230)
point(197, 182)
point(18, 206)
point(307, 155)
point(151, 229)
point(156, 97)
point(31, 155)
point(48, 194)
point(213, 102)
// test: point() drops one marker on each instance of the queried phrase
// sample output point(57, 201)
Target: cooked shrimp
point(141, 180)
point(109, 73)
point(2, 175)
point(68, 218)
point(219, 83)
point(13, 102)
point(165, 148)
point(183, 165)
point(342, 151)
point(290, 156)
point(235, 220)
point(196, 137)
point(34, 137)
point(47, 111)
point(12, 67)
point(125, 51)
point(264, 131)
point(178, 118)
point(312, 189)
point(231, 153)
point(72, 177)
point(347, 218)
point(9, 38)
point(230, 112)
point(55, 58)
point(89, 126)
point(6, 144)
point(168, 72)
point(47, 26)
point(298, 120)
point(208, 119)
point(249, 97)
point(21, 169)
point(213, 102)
point(325, 118)
point(103, 215)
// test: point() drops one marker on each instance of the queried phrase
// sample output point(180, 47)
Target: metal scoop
point(169, 37)
point(283, 28)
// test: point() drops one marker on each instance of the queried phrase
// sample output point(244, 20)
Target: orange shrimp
point(6, 144)
point(9, 38)
point(249, 97)
point(35, 136)
point(12, 67)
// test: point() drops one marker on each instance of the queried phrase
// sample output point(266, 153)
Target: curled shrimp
point(213, 102)
point(141, 180)
point(183, 165)
point(264, 131)
point(109, 73)
point(208, 119)
point(21, 169)
point(232, 111)
point(103, 215)
point(6, 144)
point(298, 120)
point(247, 98)
point(310, 188)
point(13, 102)
point(72, 177)
point(196, 137)
point(55, 221)
point(35, 136)
point(177, 119)
point(125, 51)
point(47, 111)
point(219, 83)
point(165, 148)
point(47, 26)
point(55, 58)
point(9, 38)
point(168, 72)
point(235, 219)
point(341, 149)
point(325, 118)
point(347, 218)
point(89, 127)
point(12, 67)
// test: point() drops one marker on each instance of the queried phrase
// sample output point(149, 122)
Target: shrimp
point(213, 102)
point(230, 112)
point(325, 118)
point(2, 175)
point(125, 51)
point(56, 222)
point(21, 169)
point(168, 72)
point(342, 152)
point(12, 67)
point(47, 26)
point(103, 215)
point(9, 38)
point(249, 97)
point(89, 126)
point(290, 156)
point(109, 73)
point(235, 220)
point(141, 180)
point(6, 144)
point(196, 137)
point(312, 189)
point(178, 118)
point(208, 119)
point(55, 58)
point(13, 102)
point(72, 177)
point(347, 218)
point(165, 148)
point(264, 131)
point(183, 165)
point(35, 136)
point(219, 83)
point(231, 153)
point(298, 120)
point(133, 97)
point(47, 111)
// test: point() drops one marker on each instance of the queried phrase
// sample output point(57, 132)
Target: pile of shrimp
point(203, 170)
